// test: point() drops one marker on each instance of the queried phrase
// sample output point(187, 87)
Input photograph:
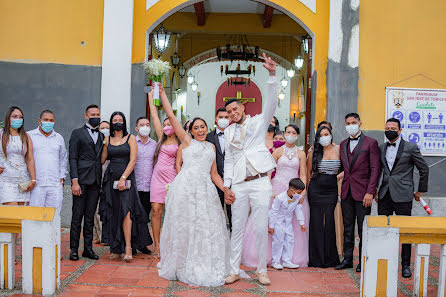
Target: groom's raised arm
point(272, 88)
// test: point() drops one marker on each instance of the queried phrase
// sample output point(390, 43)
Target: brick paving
point(107, 277)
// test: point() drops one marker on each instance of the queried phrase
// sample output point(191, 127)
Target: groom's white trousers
point(253, 195)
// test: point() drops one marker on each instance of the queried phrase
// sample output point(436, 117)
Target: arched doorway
point(148, 14)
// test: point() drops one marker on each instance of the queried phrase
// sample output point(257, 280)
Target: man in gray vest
point(396, 193)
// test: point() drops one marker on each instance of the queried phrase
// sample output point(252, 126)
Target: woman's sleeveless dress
point(115, 204)
point(15, 172)
point(323, 197)
point(163, 173)
point(288, 167)
point(194, 243)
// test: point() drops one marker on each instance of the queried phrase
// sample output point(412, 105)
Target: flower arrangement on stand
point(156, 70)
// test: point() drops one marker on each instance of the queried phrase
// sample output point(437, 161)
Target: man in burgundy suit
point(361, 161)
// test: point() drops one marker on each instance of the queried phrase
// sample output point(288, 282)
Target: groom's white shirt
point(249, 156)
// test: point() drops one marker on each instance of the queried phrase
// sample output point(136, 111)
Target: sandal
point(114, 256)
point(128, 258)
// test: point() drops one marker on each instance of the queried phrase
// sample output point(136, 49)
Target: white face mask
point(290, 139)
point(352, 129)
point(325, 140)
point(106, 132)
point(144, 131)
point(223, 123)
point(297, 196)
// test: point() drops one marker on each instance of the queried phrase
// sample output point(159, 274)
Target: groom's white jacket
point(253, 149)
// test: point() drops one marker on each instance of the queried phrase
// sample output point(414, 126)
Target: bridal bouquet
point(156, 69)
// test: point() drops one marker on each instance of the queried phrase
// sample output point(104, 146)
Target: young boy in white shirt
point(285, 205)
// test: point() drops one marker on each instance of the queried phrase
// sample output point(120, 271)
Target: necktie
point(391, 144)
point(94, 130)
point(220, 133)
point(354, 139)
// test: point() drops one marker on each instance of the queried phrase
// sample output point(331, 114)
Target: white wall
point(209, 80)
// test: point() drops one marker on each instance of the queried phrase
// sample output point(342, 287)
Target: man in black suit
point(86, 170)
point(396, 193)
point(217, 137)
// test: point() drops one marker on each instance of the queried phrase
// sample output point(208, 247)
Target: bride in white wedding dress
point(194, 244)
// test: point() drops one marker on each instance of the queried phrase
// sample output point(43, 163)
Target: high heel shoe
point(127, 257)
point(156, 252)
point(114, 256)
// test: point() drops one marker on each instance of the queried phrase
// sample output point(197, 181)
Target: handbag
point(23, 186)
point(127, 186)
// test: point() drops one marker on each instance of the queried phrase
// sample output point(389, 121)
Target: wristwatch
point(124, 177)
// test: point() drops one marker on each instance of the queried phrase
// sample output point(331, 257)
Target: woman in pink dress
point(291, 163)
point(164, 170)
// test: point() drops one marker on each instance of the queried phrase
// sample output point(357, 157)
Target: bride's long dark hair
point(193, 122)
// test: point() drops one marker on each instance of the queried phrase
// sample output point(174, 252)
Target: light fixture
point(175, 59)
point(299, 62)
point(290, 72)
point(190, 78)
point(182, 71)
point(162, 39)
point(281, 95)
point(194, 86)
point(305, 45)
point(284, 82)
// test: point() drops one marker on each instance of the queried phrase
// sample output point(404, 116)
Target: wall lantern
point(194, 86)
point(162, 39)
point(281, 95)
point(284, 82)
point(182, 71)
point(290, 72)
point(299, 62)
point(190, 78)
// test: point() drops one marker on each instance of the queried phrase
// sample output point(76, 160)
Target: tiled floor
point(107, 277)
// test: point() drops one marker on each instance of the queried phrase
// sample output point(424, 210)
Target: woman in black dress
point(123, 216)
point(323, 165)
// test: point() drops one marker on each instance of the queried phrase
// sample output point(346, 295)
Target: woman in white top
point(16, 160)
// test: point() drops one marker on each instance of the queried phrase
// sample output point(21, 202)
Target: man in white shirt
point(396, 193)
point(246, 183)
point(51, 161)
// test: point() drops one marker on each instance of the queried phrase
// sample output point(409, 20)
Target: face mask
point(118, 126)
point(297, 196)
point(47, 127)
point(106, 132)
point(223, 123)
point(391, 135)
point(290, 139)
point(16, 123)
point(168, 130)
point(278, 143)
point(94, 122)
point(144, 131)
point(352, 129)
point(271, 128)
point(325, 140)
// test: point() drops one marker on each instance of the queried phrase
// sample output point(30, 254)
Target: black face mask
point(271, 128)
point(391, 135)
point(94, 122)
point(118, 126)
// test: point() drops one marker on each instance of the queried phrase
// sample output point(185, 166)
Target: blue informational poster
point(422, 114)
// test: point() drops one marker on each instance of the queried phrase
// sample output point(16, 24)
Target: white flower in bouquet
point(156, 69)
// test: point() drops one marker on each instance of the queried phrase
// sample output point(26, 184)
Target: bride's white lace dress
point(194, 239)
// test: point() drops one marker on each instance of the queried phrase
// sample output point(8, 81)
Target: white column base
point(442, 273)
point(379, 276)
point(45, 236)
point(422, 252)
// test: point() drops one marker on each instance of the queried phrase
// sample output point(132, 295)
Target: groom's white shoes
point(263, 278)
point(290, 265)
point(277, 266)
point(231, 278)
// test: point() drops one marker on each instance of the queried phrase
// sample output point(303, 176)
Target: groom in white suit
point(247, 186)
